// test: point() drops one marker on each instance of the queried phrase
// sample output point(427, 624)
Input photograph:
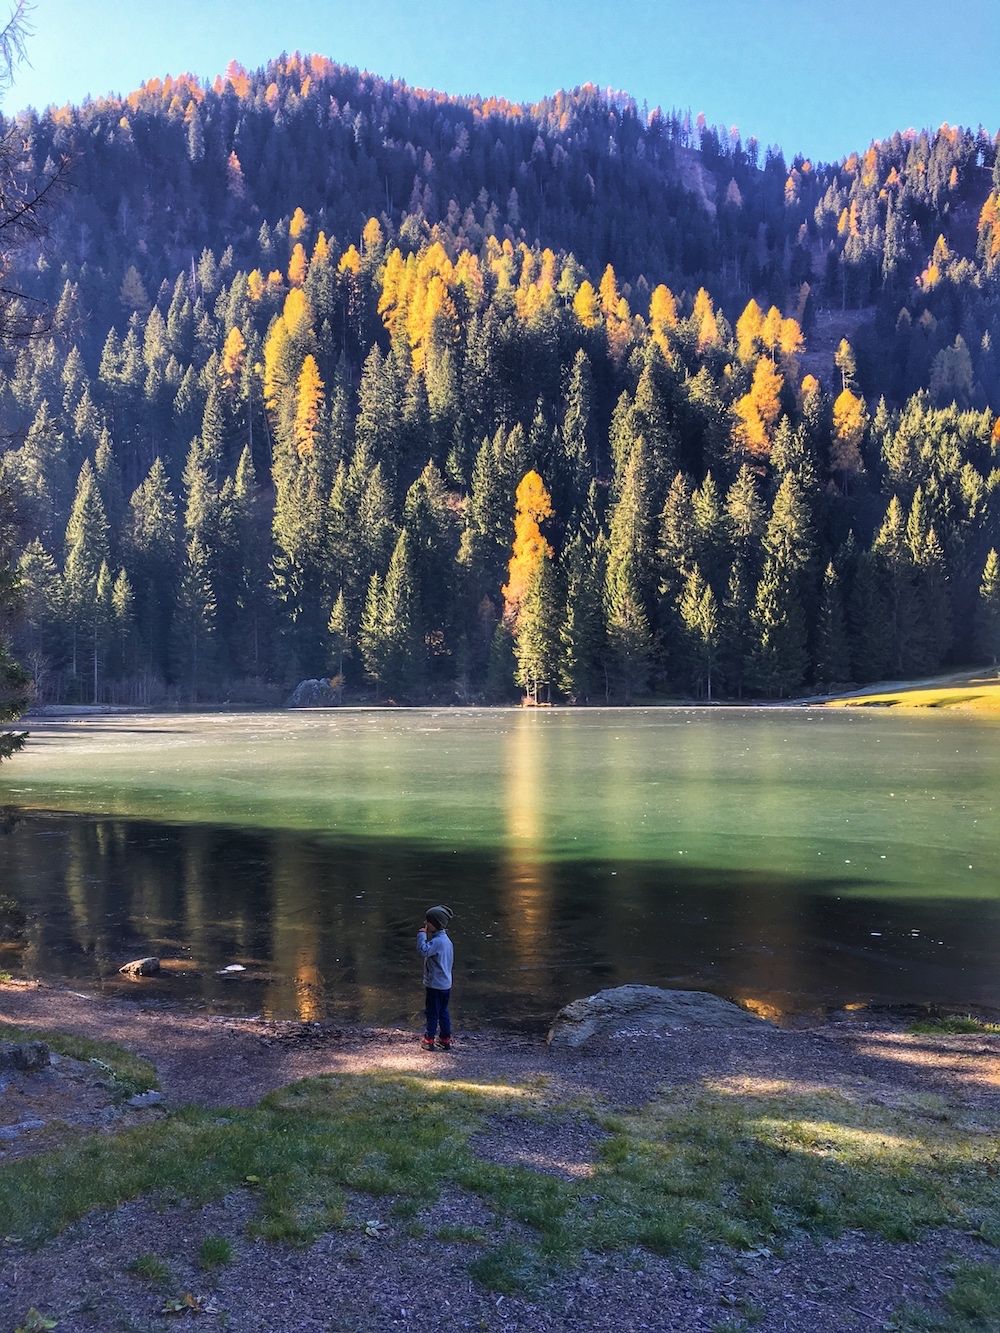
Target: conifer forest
point(455, 400)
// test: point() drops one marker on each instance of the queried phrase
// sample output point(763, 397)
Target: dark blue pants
point(436, 1009)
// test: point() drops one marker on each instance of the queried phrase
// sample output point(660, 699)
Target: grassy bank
point(976, 693)
point(706, 1164)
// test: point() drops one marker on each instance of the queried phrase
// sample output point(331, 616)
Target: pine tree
point(370, 641)
point(536, 633)
point(400, 637)
point(699, 617)
point(581, 634)
point(338, 628)
point(832, 655)
point(778, 658)
point(14, 686)
point(987, 619)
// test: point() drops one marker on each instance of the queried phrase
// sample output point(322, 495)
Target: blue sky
point(810, 75)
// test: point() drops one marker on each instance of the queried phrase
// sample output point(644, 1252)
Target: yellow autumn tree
point(610, 296)
point(233, 356)
point(309, 402)
point(586, 306)
point(757, 411)
point(704, 321)
point(791, 341)
point(298, 224)
point(276, 363)
point(748, 328)
point(298, 265)
point(350, 261)
point(849, 421)
point(255, 285)
point(321, 250)
point(662, 318)
point(770, 332)
point(297, 312)
point(532, 505)
point(372, 238)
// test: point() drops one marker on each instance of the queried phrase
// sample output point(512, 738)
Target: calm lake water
point(800, 859)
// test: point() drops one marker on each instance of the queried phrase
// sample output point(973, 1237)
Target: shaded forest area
point(443, 399)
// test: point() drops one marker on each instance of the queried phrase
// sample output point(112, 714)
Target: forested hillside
point(446, 398)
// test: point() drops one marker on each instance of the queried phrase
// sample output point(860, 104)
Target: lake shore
point(546, 1125)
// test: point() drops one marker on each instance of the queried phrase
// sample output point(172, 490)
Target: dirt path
point(402, 1281)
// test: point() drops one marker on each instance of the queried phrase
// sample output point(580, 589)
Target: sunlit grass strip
point(955, 1024)
point(977, 696)
point(128, 1073)
point(694, 1167)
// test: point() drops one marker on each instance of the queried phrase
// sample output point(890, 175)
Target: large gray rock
point(313, 694)
point(630, 1010)
point(28, 1056)
point(141, 967)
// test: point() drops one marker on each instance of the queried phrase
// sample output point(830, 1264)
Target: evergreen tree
point(778, 657)
point(699, 617)
point(987, 621)
point(536, 634)
point(399, 635)
point(581, 634)
point(832, 653)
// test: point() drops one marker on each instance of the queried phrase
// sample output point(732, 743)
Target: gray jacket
point(438, 954)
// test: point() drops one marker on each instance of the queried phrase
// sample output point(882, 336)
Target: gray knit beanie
point(439, 916)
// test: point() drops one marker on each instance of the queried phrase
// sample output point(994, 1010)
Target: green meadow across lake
point(794, 859)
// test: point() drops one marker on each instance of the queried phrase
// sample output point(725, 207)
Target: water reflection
point(323, 926)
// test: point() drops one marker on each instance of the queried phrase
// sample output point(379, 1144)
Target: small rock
point(28, 1056)
point(141, 967)
point(8, 1132)
point(233, 967)
point(145, 1099)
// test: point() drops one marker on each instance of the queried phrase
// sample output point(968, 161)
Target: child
point(437, 950)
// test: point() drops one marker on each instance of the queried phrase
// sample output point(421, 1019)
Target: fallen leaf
point(251, 1180)
point(36, 1322)
point(182, 1304)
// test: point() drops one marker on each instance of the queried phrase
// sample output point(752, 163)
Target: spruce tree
point(14, 685)
point(536, 633)
point(832, 665)
point(778, 657)
point(987, 618)
point(699, 618)
point(581, 634)
point(400, 634)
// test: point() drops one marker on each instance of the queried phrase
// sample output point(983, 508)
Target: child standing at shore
point(438, 954)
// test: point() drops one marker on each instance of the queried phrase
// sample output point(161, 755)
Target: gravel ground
point(348, 1281)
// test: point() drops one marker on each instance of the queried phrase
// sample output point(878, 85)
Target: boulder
point(141, 967)
point(313, 694)
point(28, 1056)
point(633, 1010)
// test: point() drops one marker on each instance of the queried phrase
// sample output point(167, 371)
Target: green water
point(801, 858)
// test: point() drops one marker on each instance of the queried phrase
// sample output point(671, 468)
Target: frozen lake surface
point(801, 859)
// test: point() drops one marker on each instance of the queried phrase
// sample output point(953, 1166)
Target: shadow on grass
point(699, 1165)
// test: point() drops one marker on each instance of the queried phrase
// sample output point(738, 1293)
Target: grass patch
point(697, 1166)
point(151, 1268)
point(981, 695)
point(128, 1074)
point(214, 1252)
point(955, 1023)
point(972, 1305)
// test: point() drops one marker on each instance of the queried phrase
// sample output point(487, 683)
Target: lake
point(795, 859)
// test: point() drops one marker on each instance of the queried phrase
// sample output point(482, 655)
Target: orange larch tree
point(532, 505)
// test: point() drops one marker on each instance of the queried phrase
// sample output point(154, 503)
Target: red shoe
point(427, 1043)
point(444, 1044)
